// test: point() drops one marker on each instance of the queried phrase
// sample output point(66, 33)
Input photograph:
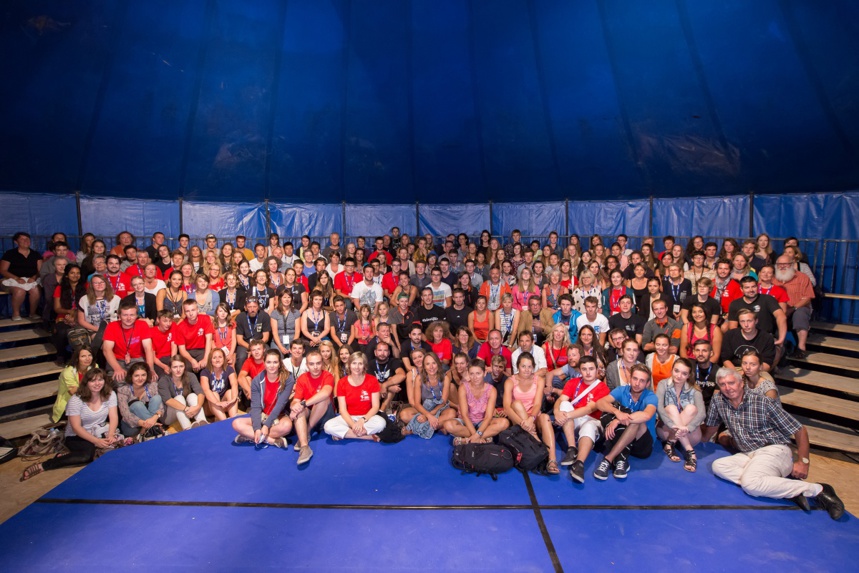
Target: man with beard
point(390, 373)
point(799, 293)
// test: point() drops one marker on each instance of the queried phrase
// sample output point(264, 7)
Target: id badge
point(225, 350)
point(285, 338)
point(343, 337)
point(314, 333)
point(676, 309)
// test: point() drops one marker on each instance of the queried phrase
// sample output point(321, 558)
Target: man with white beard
point(800, 293)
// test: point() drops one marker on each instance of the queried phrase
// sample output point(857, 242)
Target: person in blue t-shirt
point(629, 422)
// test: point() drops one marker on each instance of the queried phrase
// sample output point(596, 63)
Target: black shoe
point(828, 500)
point(570, 457)
point(802, 502)
point(577, 471)
point(601, 471)
point(800, 354)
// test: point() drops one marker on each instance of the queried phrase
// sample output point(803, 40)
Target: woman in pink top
point(523, 397)
point(476, 424)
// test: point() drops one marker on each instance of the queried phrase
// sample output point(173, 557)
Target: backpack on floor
point(530, 453)
point(482, 459)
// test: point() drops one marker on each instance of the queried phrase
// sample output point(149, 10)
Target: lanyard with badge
point(341, 328)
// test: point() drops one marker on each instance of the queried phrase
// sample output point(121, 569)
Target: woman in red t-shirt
point(358, 398)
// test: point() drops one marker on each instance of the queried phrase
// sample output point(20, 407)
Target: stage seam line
point(544, 531)
point(585, 507)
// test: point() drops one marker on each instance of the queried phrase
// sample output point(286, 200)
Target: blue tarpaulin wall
point(38, 213)
point(707, 216)
point(107, 217)
point(609, 218)
point(372, 220)
point(314, 220)
point(225, 220)
point(532, 219)
point(443, 219)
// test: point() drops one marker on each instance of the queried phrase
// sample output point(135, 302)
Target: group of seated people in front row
point(607, 349)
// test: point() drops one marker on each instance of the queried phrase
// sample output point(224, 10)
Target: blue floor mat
point(703, 540)
point(232, 539)
point(204, 465)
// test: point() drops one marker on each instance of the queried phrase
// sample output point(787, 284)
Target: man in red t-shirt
point(118, 281)
point(163, 346)
point(725, 289)
point(576, 412)
point(311, 402)
point(493, 347)
point(344, 281)
point(193, 335)
point(127, 341)
point(252, 366)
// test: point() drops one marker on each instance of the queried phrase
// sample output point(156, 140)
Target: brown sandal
point(31, 471)
point(552, 468)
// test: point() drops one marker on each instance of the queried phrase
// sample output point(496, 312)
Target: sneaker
point(240, 439)
point(570, 457)
point(577, 471)
point(601, 473)
point(281, 443)
point(305, 455)
point(16, 318)
point(297, 447)
point(621, 468)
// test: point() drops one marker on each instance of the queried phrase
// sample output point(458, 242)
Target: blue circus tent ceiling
point(436, 101)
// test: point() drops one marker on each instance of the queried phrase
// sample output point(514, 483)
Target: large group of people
point(590, 346)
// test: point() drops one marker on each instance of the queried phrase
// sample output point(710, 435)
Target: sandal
point(691, 461)
point(457, 441)
point(31, 471)
point(552, 468)
point(670, 451)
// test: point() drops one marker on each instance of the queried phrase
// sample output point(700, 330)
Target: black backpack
point(482, 459)
point(529, 452)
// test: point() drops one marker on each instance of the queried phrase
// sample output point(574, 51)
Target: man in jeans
point(631, 431)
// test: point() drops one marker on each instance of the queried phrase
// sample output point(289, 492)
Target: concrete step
point(819, 380)
point(835, 327)
point(8, 322)
point(22, 335)
point(821, 403)
point(30, 371)
point(826, 360)
point(29, 393)
point(23, 427)
point(26, 352)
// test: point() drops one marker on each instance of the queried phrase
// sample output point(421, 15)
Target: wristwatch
point(479, 433)
point(805, 460)
point(303, 403)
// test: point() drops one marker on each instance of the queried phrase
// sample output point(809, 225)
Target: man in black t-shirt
point(414, 341)
point(252, 324)
point(771, 318)
point(737, 340)
point(341, 322)
point(391, 375)
point(705, 370)
point(428, 312)
point(457, 313)
point(629, 321)
point(704, 300)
